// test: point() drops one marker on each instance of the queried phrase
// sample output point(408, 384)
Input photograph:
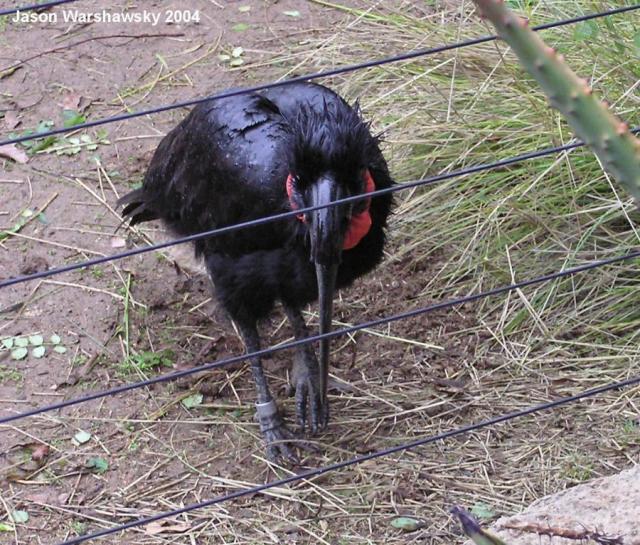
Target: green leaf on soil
point(82, 437)
point(236, 52)
point(292, 13)
point(36, 340)
point(71, 118)
point(7, 343)
point(4, 527)
point(407, 524)
point(240, 27)
point(59, 349)
point(72, 147)
point(236, 62)
point(244, 9)
point(38, 351)
point(192, 401)
point(19, 353)
point(97, 464)
point(223, 57)
point(88, 142)
point(44, 126)
point(43, 144)
point(482, 511)
point(55, 339)
point(19, 517)
point(21, 341)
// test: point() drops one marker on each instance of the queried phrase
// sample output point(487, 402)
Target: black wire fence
point(309, 77)
point(34, 7)
point(286, 215)
point(310, 474)
point(336, 333)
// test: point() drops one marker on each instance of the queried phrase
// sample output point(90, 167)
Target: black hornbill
point(255, 155)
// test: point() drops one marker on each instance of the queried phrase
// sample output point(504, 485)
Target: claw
point(311, 413)
point(277, 436)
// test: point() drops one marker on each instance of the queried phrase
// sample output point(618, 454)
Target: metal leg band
point(267, 414)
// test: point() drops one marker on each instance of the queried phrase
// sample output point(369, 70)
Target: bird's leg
point(305, 377)
point(275, 433)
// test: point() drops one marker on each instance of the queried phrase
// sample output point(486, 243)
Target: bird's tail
point(136, 209)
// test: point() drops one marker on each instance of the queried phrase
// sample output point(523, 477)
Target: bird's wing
point(225, 163)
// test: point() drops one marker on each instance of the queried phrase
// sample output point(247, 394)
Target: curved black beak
point(327, 234)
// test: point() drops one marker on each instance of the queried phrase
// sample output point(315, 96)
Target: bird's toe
point(310, 411)
point(279, 439)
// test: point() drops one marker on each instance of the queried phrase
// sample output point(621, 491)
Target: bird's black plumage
point(228, 162)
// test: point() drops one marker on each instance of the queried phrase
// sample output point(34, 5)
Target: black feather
point(228, 161)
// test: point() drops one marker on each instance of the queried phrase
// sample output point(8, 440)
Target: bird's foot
point(309, 407)
point(278, 437)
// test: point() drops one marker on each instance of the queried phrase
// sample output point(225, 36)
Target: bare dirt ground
point(113, 460)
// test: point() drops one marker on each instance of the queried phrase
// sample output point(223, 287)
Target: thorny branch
point(565, 533)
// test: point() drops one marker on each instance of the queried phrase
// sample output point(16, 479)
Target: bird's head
point(330, 156)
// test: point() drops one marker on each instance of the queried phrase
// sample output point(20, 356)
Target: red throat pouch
point(360, 223)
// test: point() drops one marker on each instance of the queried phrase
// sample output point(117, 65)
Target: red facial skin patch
point(360, 223)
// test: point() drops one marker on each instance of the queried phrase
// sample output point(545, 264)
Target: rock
point(604, 510)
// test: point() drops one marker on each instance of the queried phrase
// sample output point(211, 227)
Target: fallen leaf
point(71, 101)
point(192, 401)
point(19, 353)
point(38, 351)
point(19, 517)
point(36, 340)
point(71, 118)
point(482, 511)
point(10, 151)
point(97, 464)
point(40, 452)
point(165, 527)
point(407, 524)
point(82, 437)
point(11, 120)
point(49, 497)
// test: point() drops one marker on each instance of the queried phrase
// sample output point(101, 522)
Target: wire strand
point(309, 77)
point(343, 331)
point(286, 215)
point(32, 7)
point(312, 473)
